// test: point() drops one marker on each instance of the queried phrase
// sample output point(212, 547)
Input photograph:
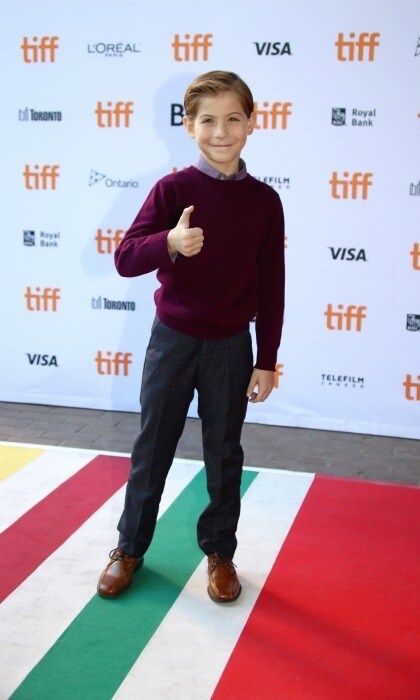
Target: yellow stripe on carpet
point(14, 458)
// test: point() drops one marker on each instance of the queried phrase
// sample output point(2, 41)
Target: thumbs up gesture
point(182, 238)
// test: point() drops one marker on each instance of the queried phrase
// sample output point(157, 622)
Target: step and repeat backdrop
point(92, 118)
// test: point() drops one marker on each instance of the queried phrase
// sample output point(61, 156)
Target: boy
point(215, 234)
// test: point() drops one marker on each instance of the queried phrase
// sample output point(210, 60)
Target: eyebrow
point(212, 115)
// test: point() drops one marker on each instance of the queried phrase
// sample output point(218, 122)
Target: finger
point(184, 219)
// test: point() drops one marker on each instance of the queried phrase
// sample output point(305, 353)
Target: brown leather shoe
point(118, 574)
point(224, 586)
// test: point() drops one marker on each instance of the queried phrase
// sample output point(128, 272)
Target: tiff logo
point(358, 182)
point(108, 242)
point(198, 47)
point(109, 116)
point(40, 50)
point(346, 48)
point(335, 319)
point(42, 299)
point(45, 179)
point(412, 388)
point(269, 115)
point(112, 363)
point(415, 254)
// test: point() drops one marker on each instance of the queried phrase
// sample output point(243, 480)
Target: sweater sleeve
point(270, 290)
point(144, 247)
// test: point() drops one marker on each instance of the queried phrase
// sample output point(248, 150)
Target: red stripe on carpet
point(339, 614)
point(42, 529)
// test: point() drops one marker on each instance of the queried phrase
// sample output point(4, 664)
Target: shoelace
point(113, 554)
point(220, 559)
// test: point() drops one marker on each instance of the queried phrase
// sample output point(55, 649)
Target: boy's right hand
point(182, 238)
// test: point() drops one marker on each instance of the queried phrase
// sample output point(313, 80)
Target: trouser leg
point(167, 390)
point(224, 373)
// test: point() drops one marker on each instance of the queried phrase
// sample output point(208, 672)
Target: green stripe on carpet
point(96, 651)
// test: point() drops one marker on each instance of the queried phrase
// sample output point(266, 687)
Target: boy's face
point(220, 130)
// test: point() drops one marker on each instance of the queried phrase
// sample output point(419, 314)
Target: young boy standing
point(215, 234)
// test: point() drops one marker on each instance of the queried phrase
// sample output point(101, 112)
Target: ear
point(188, 125)
point(251, 121)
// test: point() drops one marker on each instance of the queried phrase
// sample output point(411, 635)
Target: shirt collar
point(205, 167)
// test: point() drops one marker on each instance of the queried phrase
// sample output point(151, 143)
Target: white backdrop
point(72, 180)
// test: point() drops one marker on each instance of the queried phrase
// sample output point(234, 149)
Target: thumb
point(185, 216)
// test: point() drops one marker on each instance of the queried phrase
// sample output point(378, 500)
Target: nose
point(220, 129)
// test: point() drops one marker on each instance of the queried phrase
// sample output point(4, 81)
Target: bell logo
point(42, 299)
point(415, 254)
point(270, 115)
point(366, 43)
point(111, 116)
point(412, 388)
point(113, 363)
point(356, 184)
point(43, 180)
point(353, 314)
point(108, 242)
point(200, 43)
point(40, 50)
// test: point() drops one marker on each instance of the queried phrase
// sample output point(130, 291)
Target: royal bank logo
point(342, 381)
point(275, 48)
point(413, 322)
point(112, 304)
point(96, 177)
point(275, 181)
point(356, 116)
point(415, 189)
point(109, 50)
point(27, 114)
point(348, 253)
point(47, 239)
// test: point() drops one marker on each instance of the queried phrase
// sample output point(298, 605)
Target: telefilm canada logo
point(277, 182)
point(413, 322)
point(46, 239)
point(356, 116)
point(28, 114)
point(96, 177)
point(342, 381)
point(112, 304)
point(118, 50)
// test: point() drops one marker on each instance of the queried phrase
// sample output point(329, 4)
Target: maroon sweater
point(238, 274)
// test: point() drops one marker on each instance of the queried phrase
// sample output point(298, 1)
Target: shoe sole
point(224, 600)
point(116, 595)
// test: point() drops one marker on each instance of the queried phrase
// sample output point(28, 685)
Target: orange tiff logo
point(39, 50)
point(344, 320)
point(113, 363)
point(42, 299)
point(415, 254)
point(412, 388)
point(278, 372)
point(353, 186)
point(270, 115)
point(117, 116)
point(40, 179)
point(365, 44)
point(108, 242)
point(195, 49)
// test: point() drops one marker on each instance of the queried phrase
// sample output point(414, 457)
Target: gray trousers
point(175, 365)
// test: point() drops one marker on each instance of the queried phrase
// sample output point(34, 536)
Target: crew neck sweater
point(239, 273)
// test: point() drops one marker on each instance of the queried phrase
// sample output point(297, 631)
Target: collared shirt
point(209, 169)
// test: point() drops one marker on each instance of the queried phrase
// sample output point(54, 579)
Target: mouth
point(228, 145)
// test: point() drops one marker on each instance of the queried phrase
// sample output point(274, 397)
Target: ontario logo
point(96, 177)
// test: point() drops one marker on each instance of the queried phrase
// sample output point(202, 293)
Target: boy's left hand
point(265, 380)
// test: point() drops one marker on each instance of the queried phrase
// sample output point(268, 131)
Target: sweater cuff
point(158, 246)
point(266, 360)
